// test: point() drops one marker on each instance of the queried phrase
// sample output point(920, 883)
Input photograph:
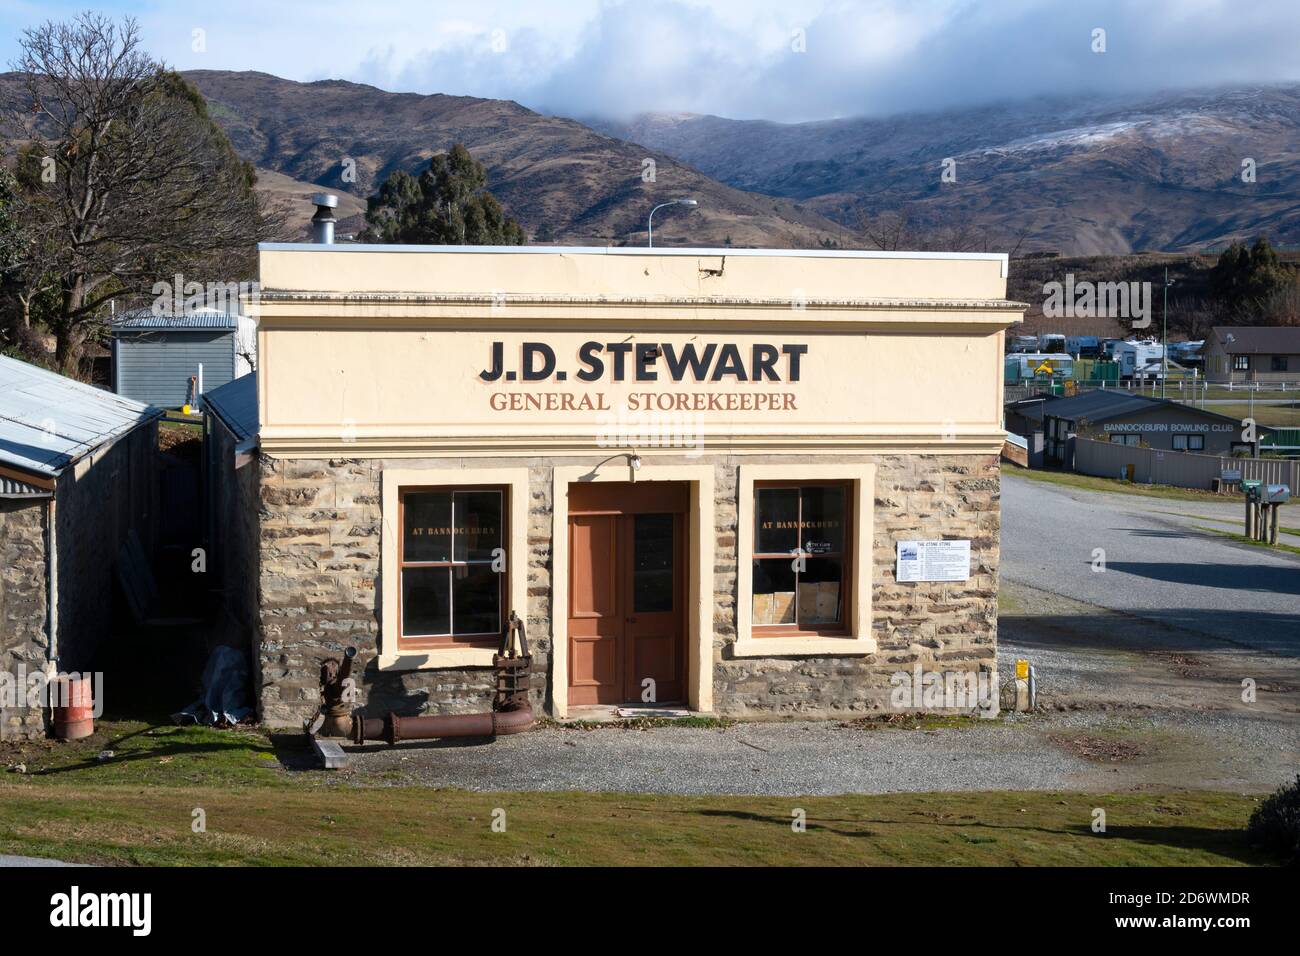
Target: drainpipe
point(51, 585)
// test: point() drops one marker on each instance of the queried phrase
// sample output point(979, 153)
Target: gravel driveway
point(1140, 670)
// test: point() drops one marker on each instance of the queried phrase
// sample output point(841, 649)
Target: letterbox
point(1275, 494)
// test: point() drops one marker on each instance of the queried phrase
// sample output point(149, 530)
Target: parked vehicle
point(1037, 365)
point(1049, 342)
point(1083, 346)
point(1140, 360)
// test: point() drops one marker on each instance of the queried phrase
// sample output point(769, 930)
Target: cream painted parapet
point(400, 351)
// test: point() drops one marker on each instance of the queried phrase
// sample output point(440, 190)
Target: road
point(1157, 564)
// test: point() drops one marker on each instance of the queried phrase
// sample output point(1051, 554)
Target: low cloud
point(765, 59)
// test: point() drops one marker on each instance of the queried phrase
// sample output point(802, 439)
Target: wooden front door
point(627, 592)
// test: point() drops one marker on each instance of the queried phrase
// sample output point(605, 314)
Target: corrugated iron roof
point(206, 320)
point(48, 421)
point(1104, 404)
point(13, 488)
point(235, 403)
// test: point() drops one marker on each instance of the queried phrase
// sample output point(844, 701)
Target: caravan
point(1139, 360)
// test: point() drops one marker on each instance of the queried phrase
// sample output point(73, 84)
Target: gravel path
point(1038, 752)
point(1140, 673)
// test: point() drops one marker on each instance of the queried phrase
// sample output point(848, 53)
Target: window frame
point(476, 639)
point(1241, 363)
point(842, 627)
point(858, 640)
point(394, 654)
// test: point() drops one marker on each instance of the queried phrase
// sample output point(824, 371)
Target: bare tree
point(908, 228)
point(125, 179)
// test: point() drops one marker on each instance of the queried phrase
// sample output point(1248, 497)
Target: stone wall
point(320, 544)
point(319, 578)
point(940, 626)
point(23, 604)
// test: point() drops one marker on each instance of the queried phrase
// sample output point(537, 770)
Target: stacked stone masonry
point(320, 526)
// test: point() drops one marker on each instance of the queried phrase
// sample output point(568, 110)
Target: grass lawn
point(1279, 416)
point(137, 807)
point(1114, 485)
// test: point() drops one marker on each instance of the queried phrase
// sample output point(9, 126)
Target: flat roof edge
point(631, 251)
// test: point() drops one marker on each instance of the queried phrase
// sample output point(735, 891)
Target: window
point(1196, 443)
point(799, 558)
point(1279, 363)
point(1241, 363)
point(1122, 438)
point(451, 564)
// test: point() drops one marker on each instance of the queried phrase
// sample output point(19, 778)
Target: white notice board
point(933, 561)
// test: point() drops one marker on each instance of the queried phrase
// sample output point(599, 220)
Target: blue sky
point(785, 60)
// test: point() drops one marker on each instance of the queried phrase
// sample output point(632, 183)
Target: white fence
point(1180, 468)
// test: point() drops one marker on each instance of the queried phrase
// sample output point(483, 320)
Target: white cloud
point(730, 57)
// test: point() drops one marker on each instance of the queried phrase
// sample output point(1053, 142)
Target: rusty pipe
point(392, 728)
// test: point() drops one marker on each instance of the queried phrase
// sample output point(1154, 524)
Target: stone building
point(78, 474)
point(694, 473)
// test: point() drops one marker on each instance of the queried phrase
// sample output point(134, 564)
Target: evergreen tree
point(448, 205)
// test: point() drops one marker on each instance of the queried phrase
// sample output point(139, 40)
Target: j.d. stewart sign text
point(659, 367)
point(647, 361)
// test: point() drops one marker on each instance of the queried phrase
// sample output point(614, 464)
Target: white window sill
point(803, 647)
point(437, 658)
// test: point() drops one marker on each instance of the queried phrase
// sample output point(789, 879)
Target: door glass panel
point(652, 563)
point(777, 520)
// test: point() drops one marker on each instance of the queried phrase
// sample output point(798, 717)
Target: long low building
point(1121, 417)
point(78, 475)
point(745, 481)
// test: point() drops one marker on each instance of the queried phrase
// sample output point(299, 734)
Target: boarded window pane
point(477, 600)
point(823, 519)
point(478, 525)
point(427, 531)
point(776, 519)
point(426, 601)
point(820, 592)
point(774, 591)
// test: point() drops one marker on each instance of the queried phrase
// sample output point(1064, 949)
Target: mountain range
point(1078, 175)
point(1075, 176)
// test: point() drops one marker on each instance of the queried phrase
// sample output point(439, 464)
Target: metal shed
point(155, 356)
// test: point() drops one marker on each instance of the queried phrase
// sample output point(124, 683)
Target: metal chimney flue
point(322, 224)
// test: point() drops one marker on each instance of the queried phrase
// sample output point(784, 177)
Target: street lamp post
point(650, 225)
point(1164, 336)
